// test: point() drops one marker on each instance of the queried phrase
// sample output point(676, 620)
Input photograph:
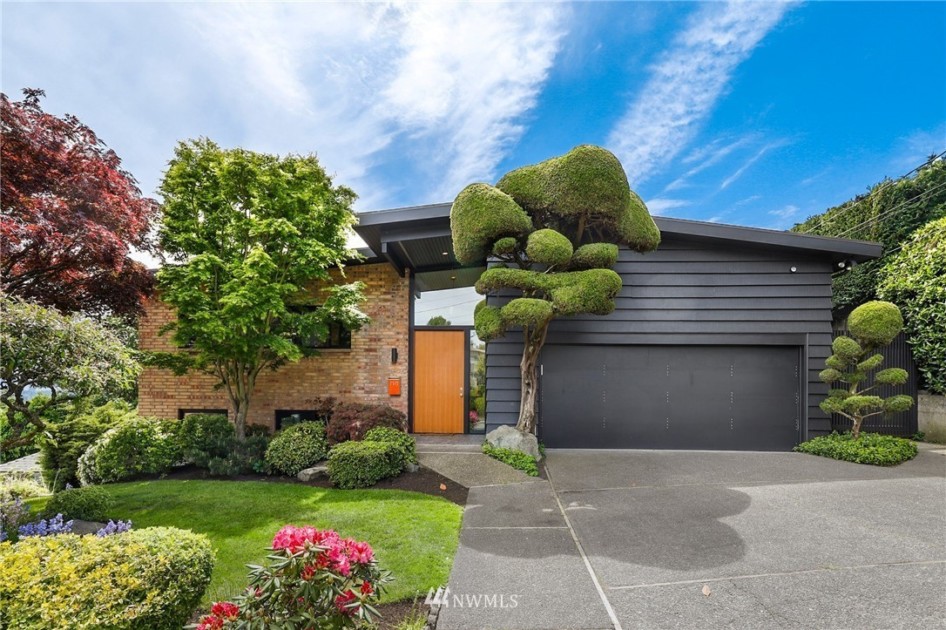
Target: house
point(716, 343)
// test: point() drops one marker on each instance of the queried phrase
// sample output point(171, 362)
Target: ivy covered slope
point(889, 213)
point(554, 228)
point(915, 279)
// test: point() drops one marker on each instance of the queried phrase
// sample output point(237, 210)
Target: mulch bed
point(424, 480)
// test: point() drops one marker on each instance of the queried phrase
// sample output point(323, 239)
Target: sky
point(755, 113)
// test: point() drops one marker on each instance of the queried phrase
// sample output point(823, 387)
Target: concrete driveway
point(670, 539)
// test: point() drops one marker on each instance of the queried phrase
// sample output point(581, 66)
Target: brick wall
point(358, 375)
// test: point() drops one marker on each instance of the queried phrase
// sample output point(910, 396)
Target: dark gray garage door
point(683, 397)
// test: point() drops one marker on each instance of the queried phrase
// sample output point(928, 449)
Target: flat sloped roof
point(396, 233)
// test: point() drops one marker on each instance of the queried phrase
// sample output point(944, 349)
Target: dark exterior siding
point(695, 292)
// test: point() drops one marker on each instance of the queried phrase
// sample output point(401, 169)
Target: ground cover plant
point(413, 535)
point(869, 448)
point(517, 459)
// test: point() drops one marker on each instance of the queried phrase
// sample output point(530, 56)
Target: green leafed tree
point(915, 280)
point(554, 229)
point(889, 213)
point(852, 369)
point(71, 359)
point(248, 236)
point(438, 320)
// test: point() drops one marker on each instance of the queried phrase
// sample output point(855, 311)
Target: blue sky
point(749, 113)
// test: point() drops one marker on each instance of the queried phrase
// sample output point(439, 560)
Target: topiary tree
point(872, 325)
point(554, 228)
point(916, 281)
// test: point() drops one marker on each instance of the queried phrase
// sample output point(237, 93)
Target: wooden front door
point(439, 381)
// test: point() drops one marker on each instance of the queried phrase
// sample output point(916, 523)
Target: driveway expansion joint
point(779, 573)
point(591, 572)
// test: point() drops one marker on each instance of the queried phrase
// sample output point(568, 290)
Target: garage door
point(674, 397)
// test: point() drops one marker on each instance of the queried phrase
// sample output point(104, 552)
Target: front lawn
point(414, 535)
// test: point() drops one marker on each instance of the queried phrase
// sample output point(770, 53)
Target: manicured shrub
point(363, 464)
point(148, 579)
point(89, 503)
point(350, 421)
point(138, 446)
point(516, 459)
point(244, 457)
point(311, 575)
point(297, 447)
point(204, 436)
point(869, 448)
point(65, 443)
point(399, 438)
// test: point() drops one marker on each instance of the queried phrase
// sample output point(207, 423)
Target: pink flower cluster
point(220, 614)
point(338, 554)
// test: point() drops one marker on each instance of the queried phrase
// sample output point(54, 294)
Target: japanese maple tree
point(71, 215)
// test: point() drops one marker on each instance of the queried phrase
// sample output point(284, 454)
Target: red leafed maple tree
point(70, 217)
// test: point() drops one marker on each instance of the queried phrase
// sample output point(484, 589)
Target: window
point(338, 336)
point(286, 418)
point(182, 413)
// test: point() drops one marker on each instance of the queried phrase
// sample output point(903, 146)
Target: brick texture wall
point(357, 375)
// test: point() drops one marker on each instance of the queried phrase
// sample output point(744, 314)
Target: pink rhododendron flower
point(226, 610)
point(366, 588)
point(360, 553)
point(342, 601)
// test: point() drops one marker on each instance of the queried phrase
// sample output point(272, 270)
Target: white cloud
point(447, 84)
point(467, 75)
point(687, 81)
point(748, 164)
point(660, 205)
point(706, 157)
point(785, 213)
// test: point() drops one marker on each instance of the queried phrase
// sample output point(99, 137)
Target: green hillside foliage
point(889, 214)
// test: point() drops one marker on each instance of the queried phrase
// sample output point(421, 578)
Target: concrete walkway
point(460, 457)
point(671, 539)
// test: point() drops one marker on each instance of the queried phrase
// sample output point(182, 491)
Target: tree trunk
point(529, 373)
point(239, 421)
point(856, 427)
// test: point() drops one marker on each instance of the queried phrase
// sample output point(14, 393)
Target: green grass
point(414, 535)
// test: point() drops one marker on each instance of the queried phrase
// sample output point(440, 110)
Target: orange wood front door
point(439, 381)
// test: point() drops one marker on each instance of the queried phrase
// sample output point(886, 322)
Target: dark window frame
point(305, 415)
point(182, 413)
point(339, 337)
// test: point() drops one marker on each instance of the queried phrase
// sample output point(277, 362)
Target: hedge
point(147, 579)
point(297, 447)
point(137, 446)
point(363, 464)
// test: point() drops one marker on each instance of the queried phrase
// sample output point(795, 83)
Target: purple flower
point(114, 527)
point(44, 527)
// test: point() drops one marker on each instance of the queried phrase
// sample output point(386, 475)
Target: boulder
point(512, 438)
point(319, 471)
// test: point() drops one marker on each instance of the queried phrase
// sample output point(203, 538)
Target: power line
point(890, 182)
point(893, 210)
